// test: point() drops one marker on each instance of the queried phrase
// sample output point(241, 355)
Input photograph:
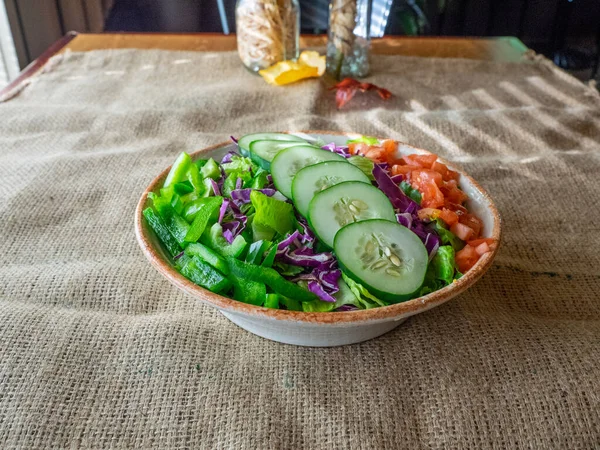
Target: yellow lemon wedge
point(309, 65)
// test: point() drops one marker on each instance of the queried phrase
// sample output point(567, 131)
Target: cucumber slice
point(344, 203)
point(289, 161)
point(318, 177)
point(263, 152)
point(385, 257)
point(245, 141)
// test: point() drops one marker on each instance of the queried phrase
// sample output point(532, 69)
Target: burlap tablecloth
point(99, 351)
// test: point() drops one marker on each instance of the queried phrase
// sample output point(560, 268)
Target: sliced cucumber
point(318, 177)
point(263, 152)
point(385, 257)
point(245, 141)
point(344, 203)
point(288, 162)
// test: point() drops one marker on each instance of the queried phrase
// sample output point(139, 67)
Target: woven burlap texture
point(97, 350)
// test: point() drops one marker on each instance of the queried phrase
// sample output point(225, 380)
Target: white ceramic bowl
point(320, 329)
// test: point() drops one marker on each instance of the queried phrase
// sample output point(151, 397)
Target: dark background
point(547, 26)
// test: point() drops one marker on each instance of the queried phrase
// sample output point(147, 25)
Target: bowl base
point(311, 334)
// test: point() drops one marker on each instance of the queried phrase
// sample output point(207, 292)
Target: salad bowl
point(321, 329)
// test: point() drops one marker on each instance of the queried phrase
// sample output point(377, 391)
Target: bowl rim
point(380, 314)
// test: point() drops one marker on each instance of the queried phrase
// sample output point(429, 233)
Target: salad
point(290, 224)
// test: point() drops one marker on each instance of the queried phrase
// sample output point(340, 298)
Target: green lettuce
point(369, 140)
point(272, 213)
point(365, 300)
point(364, 164)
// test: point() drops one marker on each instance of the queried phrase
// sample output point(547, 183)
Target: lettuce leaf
point(272, 213)
point(364, 164)
point(365, 300)
point(369, 140)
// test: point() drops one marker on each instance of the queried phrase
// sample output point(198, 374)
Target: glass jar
point(267, 32)
point(349, 38)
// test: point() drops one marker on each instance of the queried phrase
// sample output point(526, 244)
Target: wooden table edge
point(63, 43)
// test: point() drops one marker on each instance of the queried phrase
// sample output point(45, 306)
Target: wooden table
point(490, 49)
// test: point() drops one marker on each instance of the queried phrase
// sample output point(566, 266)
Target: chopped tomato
point(358, 148)
point(458, 209)
point(450, 217)
point(472, 222)
point(476, 242)
point(451, 175)
point(440, 168)
point(453, 194)
point(463, 232)
point(425, 161)
point(397, 169)
point(482, 248)
point(426, 181)
point(391, 149)
point(428, 214)
point(377, 154)
point(466, 258)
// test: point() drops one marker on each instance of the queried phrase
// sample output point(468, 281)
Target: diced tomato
point(453, 194)
point(458, 209)
point(463, 231)
point(428, 214)
point(376, 154)
point(472, 222)
point(358, 148)
point(397, 169)
point(466, 258)
point(476, 242)
point(426, 181)
point(391, 150)
point(451, 175)
point(482, 248)
point(440, 168)
point(425, 161)
point(425, 176)
point(450, 217)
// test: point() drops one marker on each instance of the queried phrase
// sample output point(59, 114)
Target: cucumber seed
point(395, 260)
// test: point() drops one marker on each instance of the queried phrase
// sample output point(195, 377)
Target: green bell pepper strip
point(290, 303)
point(272, 301)
point(195, 179)
point(207, 255)
point(178, 170)
point(256, 250)
point(202, 217)
point(204, 275)
point(270, 258)
point(270, 277)
point(185, 187)
point(193, 207)
point(248, 291)
point(176, 224)
point(161, 230)
point(213, 238)
point(211, 170)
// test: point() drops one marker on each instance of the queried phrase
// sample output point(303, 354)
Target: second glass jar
point(267, 32)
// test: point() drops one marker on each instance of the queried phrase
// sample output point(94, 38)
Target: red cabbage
point(233, 139)
point(215, 187)
point(223, 210)
point(329, 279)
point(318, 290)
point(340, 150)
point(227, 234)
point(307, 236)
point(405, 219)
point(238, 183)
point(288, 241)
point(227, 158)
point(397, 179)
point(304, 257)
point(242, 196)
point(347, 308)
point(399, 200)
